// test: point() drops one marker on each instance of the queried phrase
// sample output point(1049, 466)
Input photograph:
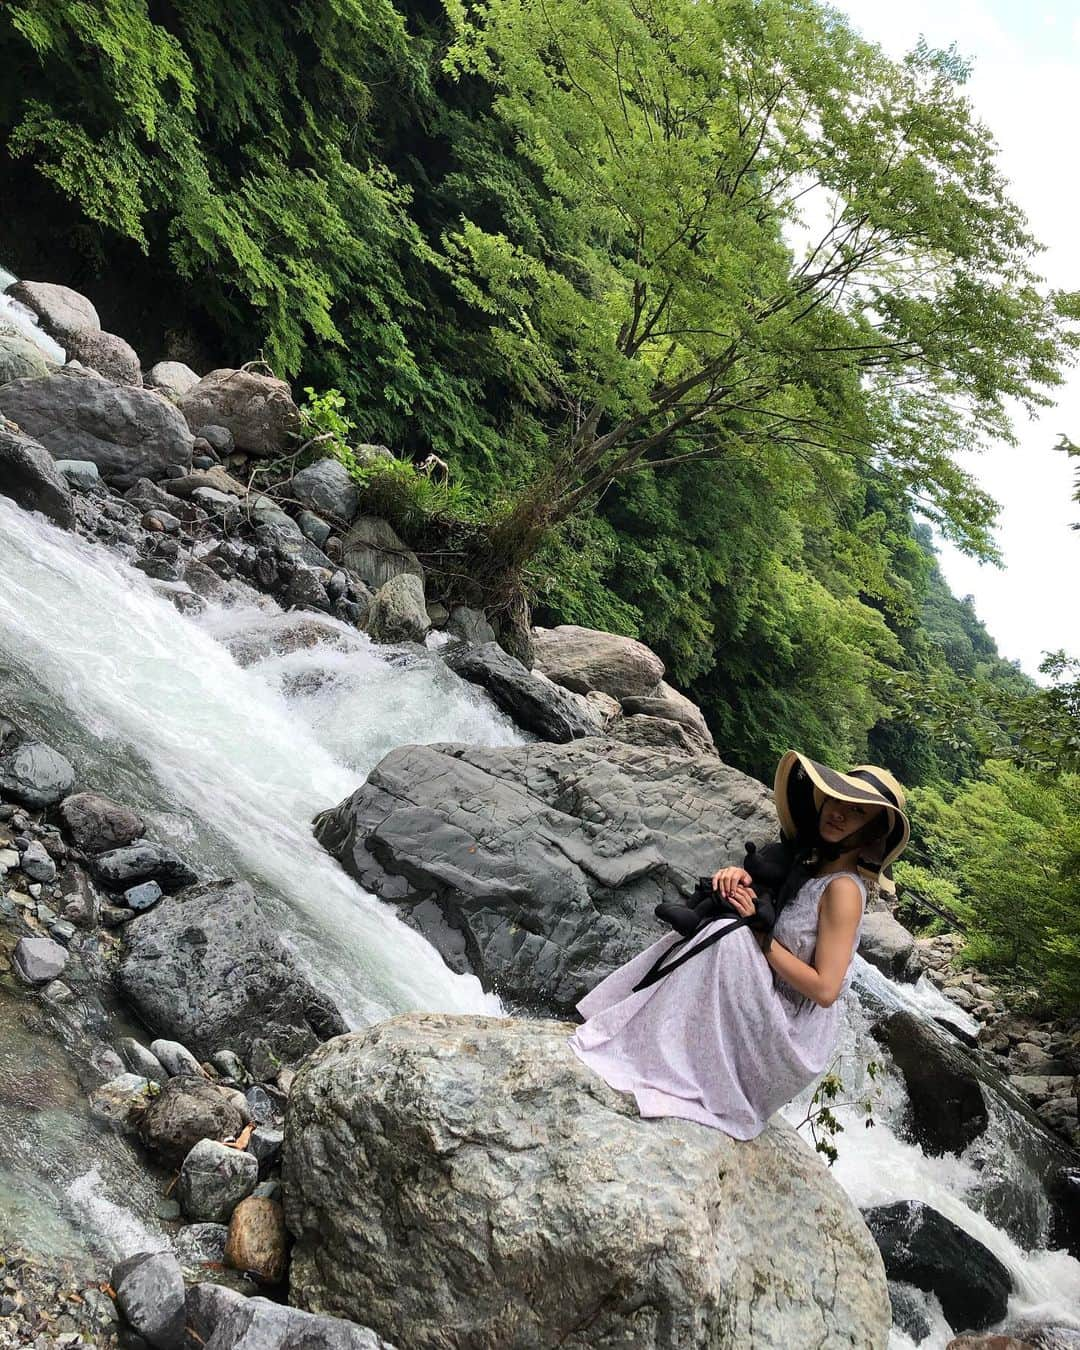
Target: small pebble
point(142, 897)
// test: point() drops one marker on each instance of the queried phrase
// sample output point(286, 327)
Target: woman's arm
point(838, 920)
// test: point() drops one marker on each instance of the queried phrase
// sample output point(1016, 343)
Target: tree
point(773, 241)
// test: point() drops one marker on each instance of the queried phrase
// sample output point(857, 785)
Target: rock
point(37, 960)
point(60, 310)
point(305, 591)
point(292, 547)
point(219, 439)
point(909, 1311)
point(265, 1147)
point(122, 1101)
point(184, 1112)
point(472, 1173)
point(1064, 1195)
point(372, 551)
point(106, 353)
point(1031, 1058)
point(669, 703)
point(313, 527)
point(172, 378)
point(128, 433)
point(327, 488)
point(80, 474)
point(545, 862)
point(121, 868)
point(583, 659)
point(258, 1324)
point(213, 502)
point(946, 1108)
point(216, 479)
point(923, 1248)
point(888, 945)
point(205, 967)
point(201, 1244)
point(535, 705)
point(144, 896)
point(214, 1179)
point(989, 1343)
point(30, 478)
point(36, 863)
point(20, 359)
point(257, 1238)
point(142, 1061)
point(150, 1293)
point(659, 733)
point(470, 625)
point(257, 409)
point(398, 612)
point(176, 1059)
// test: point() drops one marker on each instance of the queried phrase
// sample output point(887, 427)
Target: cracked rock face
point(471, 1173)
point(539, 866)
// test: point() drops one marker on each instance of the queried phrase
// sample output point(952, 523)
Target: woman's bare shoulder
point(842, 893)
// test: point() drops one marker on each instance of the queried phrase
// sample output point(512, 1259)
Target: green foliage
point(821, 1115)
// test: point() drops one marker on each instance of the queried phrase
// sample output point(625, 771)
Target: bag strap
point(656, 973)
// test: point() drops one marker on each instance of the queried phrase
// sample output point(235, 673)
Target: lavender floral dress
point(722, 1039)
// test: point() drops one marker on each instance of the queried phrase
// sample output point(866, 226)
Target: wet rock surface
point(536, 705)
point(31, 479)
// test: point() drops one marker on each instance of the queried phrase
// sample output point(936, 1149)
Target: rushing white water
point(24, 321)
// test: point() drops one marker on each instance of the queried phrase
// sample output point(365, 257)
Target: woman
point(731, 1035)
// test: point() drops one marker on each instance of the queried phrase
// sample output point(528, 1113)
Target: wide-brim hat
point(801, 786)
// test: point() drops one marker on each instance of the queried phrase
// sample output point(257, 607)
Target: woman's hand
point(735, 884)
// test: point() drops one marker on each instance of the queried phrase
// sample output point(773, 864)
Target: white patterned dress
point(721, 1040)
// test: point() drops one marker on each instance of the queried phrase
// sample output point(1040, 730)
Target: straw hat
point(800, 790)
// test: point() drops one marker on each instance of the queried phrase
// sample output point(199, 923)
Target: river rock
point(946, 1107)
point(470, 625)
point(265, 1147)
point(225, 1320)
point(81, 474)
point(923, 1248)
point(97, 824)
point(472, 1172)
point(889, 946)
point(327, 488)
point(20, 359)
point(123, 1100)
point(660, 733)
point(60, 310)
point(200, 1244)
point(372, 551)
point(257, 409)
point(206, 967)
point(121, 868)
point(30, 478)
point(176, 1059)
point(214, 1179)
point(109, 355)
point(37, 960)
point(150, 1293)
point(669, 703)
point(128, 433)
point(141, 1061)
point(256, 1242)
point(398, 612)
point(544, 862)
point(583, 659)
point(186, 1111)
point(36, 863)
point(536, 705)
point(172, 378)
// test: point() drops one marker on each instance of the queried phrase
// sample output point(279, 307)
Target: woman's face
point(841, 820)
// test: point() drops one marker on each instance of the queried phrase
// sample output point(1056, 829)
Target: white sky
point(1027, 60)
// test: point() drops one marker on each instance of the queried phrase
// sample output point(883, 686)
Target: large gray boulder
point(29, 476)
point(535, 704)
point(584, 659)
point(398, 612)
point(60, 310)
point(20, 359)
point(96, 823)
point(257, 409)
point(372, 551)
point(109, 355)
point(32, 772)
point(539, 866)
point(205, 968)
point(223, 1319)
point(150, 1293)
point(888, 945)
point(128, 433)
point(326, 488)
point(472, 1173)
point(171, 378)
point(185, 1111)
point(669, 703)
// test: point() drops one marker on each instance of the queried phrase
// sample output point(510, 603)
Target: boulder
point(372, 551)
point(30, 478)
point(669, 703)
point(326, 488)
point(185, 1111)
point(888, 945)
point(172, 378)
point(109, 355)
point(97, 824)
point(659, 732)
point(216, 478)
point(128, 433)
point(470, 625)
point(200, 1244)
point(36, 863)
point(584, 659)
point(120, 868)
point(214, 1179)
point(150, 1293)
point(921, 1247)
point(60, 310)
point(31, 772)
point(176, 1059)
point(239, 1323)
point(206, 968)
point(257, 1240)
point(81, 474)
point(123, 1100)
point(398, 612)
point(946, 1108)
point(472, 1173)
point(257, 409)
point(37, 960)
point(543, 863)
point(536, 705)
point(20, 359)
point(142, 1061)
